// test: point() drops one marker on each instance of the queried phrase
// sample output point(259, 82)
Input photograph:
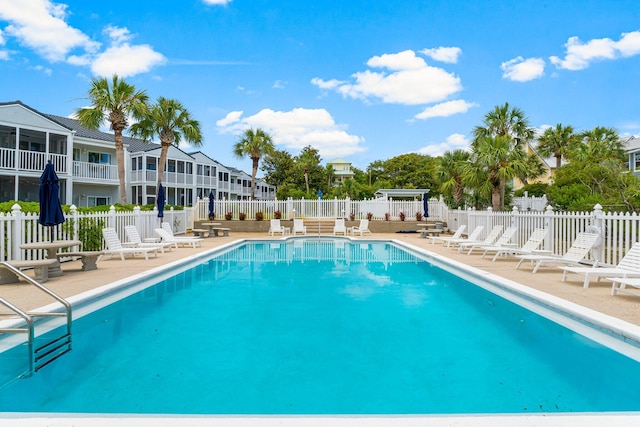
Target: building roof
point(401, 192)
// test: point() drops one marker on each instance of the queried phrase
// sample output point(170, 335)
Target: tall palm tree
point(598, 144)
point(171, 122)
point(450, 171)
point(493, 162)
point(254, 144)
point(114, 102)
point(557, 142)
point(307, 160)
point(508, 123)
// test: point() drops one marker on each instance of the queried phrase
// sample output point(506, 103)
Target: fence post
point(16, 233)
point(112, 217)
point(75, 231)
point(549, 225)
point(597, 221)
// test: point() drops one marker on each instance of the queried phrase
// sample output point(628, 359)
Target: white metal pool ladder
point(50, 348)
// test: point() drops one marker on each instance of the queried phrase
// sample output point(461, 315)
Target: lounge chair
point(298, 227)
point(444, 239)
point(503, 240)
point(491, 238)
point(532, 244)
point(276, 227)
point(579, 249)
point(114, 246)
point(134, 240)
point(474, 236)
point(363, 228)
point(339, 227)
point(620, 285)
point(629, 266)
point(177, 240)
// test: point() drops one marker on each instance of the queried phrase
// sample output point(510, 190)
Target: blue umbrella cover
point(425, 205)
point(212, 200)
point(49, 192)
point(161, 201)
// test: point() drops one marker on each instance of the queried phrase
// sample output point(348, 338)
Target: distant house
point(341, 170)
point(633, 151)
point(549, 168)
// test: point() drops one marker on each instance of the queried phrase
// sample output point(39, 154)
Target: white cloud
point(455, 141)
point(445, 109)
point(40, 25)
point(297, 128)
point(407, 80)
point(4, 55)
point(2, 40)
point(45, 70)
point(217, 2)
point(580, 55)
point(443, 54)
point(279, 84)
point(523, 70)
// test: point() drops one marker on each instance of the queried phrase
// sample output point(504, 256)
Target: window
point(101, 158)
point(76, 154)
point(7, 137)
point(189, 168)
point(57, 143)
point(32, 140)
point(151, 163)
point(180, 167)
point(637, 160)
point(98, 201)
point(171, 166)
point(199, 170)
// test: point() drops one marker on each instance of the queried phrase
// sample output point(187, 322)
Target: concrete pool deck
point(549, 280)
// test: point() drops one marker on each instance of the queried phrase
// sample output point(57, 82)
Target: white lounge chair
point(491, 238)
point(444, 239)
point(474, 236)
point(135, 241)
point(114, 246)
point(620, 285)
point(533, 243)
point(177, 240)
point(339, 227)
point(579, 249)
point(298, 226)
point(629, 266)
point(363, 228)
point(503, 240)
point(276, 227)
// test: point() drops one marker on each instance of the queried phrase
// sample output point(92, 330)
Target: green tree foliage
point(114, 102)
point(255, 145)
point(308, 165)
point(450, 173)
point(557, 142)
point(537, 189)
point(409, 171)
point(279, 168)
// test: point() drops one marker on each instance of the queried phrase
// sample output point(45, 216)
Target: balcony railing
point(95, 171)
point(33, 161)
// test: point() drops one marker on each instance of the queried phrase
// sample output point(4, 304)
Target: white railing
point(95, 171)
point(527, 203)
point(34, 161)
point(17, 227)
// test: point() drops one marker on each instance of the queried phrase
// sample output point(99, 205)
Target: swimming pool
point(379, 330)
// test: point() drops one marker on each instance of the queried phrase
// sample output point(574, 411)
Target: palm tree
point(171, 122)
point(597, 145)
point(557, 142)
point(114, 102)
point(450, 171)
point(306, 160)
point(508, 123)
point(493, 162)
point(254, 144)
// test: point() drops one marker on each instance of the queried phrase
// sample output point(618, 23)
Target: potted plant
point(387, 216)
point(277, 214)
point(259, 216)
point(228, 216)
point(402, 216)
point(352, 216)
point(369, 216)
point(242, 216)
point(418, 216)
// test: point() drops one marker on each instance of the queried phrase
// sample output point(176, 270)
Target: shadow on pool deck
point(74, 281)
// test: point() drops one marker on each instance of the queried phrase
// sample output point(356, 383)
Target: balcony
point(95, 171)
point(33, 161)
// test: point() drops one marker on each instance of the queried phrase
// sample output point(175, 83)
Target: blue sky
point(361, 80)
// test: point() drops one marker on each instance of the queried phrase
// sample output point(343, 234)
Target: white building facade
point(85, 161)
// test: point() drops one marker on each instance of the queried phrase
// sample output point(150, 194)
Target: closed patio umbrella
point(212, 200)
point(161, 201)
point(49, 193)
point(425, 205)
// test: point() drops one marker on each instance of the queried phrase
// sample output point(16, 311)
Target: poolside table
point(211, 226)
point(51, 249)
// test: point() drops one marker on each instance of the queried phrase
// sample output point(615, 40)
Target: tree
point(557, 142)
point(114, 102)
point(171, 123)
point(450, 170)
point(278, 167)
point(508, 125)
point(410, 171)
point(253, 144)
point(494, 161)
point(308, 161)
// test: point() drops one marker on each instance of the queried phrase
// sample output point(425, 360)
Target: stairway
point(325, 225)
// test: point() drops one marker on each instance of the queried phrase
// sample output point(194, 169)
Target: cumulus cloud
point(297, 128)
point(455, 141)
point(443, 54)
point(217, 2)
point(404, 79)
point(445, 109)
point(40, 26)
point(523, 70)
point(580, 55)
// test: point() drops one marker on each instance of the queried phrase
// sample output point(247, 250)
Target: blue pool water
point(319, 327)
